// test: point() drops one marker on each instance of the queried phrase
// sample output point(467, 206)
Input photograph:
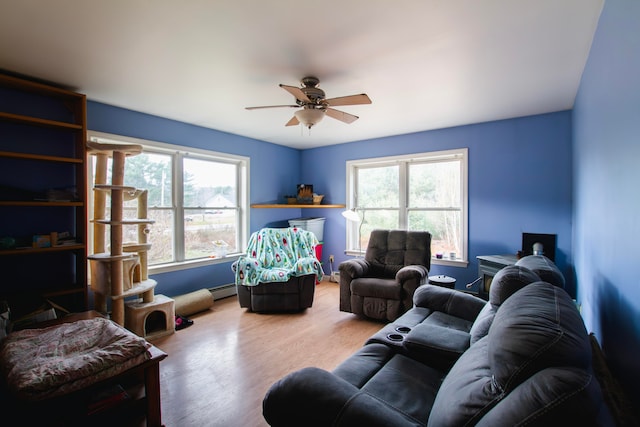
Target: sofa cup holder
point(403, 329)
point(395, 337)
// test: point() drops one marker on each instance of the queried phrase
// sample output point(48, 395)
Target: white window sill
point(449, 262)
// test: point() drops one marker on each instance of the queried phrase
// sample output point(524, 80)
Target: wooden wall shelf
point(285, 205)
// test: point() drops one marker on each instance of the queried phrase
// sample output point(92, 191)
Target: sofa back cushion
point(543, 267)
point(534, 364)
point(541, 328)
point(505, 283)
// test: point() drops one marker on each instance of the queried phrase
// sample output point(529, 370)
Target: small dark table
point(444, 281)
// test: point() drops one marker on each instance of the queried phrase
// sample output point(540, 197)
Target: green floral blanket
point(277, 254)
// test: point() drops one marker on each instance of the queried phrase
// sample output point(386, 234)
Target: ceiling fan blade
point(294, 121)
point(341, 115)
point(297, 92)
point(271, 106)
point(349, 100)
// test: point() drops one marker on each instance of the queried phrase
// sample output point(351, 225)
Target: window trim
point(242, 185)
point(462, 153)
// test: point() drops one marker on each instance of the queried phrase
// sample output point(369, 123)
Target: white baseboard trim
point(223, 291)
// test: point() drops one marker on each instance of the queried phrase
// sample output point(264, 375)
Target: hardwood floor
point(219, 369)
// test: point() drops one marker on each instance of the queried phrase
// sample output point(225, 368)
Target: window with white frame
point(425, 191)
point(195, 198)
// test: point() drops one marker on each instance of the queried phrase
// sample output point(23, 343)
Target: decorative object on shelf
point(305, 194)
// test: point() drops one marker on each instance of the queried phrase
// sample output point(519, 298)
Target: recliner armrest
point(408, 272)
point(450, 301)
point(353, 268)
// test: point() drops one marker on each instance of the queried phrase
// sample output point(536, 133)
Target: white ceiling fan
point(315, 105)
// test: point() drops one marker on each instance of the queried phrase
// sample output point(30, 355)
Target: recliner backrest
point(390, 250)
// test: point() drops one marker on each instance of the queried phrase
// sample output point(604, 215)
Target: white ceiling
point(425, 64)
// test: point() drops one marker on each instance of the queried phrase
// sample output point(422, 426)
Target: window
point(426, 191)
point(195, 197)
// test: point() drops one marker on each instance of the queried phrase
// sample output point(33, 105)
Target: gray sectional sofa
point(521, 358)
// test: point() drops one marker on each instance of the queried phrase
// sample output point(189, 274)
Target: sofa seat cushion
point(376, 288)
point(402, 383)
point(363, 364)
point(406, 385)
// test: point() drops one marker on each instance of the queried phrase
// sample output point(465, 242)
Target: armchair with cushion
point(381, 286)
point(279, 271)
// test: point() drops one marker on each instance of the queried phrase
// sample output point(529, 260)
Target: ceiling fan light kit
point(309, 116)
point(315, 105)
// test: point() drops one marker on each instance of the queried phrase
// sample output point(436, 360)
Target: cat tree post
point(117, 201)
point(99, 210)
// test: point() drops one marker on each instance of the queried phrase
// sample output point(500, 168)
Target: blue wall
point(606, 156)
point(519, 181)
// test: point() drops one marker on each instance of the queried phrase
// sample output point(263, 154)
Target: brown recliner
point(381, 285)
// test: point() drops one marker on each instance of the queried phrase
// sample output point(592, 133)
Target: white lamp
point(351, 215)
point(309, 116)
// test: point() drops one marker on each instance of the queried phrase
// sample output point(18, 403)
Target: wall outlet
point(331, 258)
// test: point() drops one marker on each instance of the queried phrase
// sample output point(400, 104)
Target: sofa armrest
point(354, 268)
point(450, 301)
point(436, 345)
point(417, 272)
point(307, 397)
point(313, 397)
